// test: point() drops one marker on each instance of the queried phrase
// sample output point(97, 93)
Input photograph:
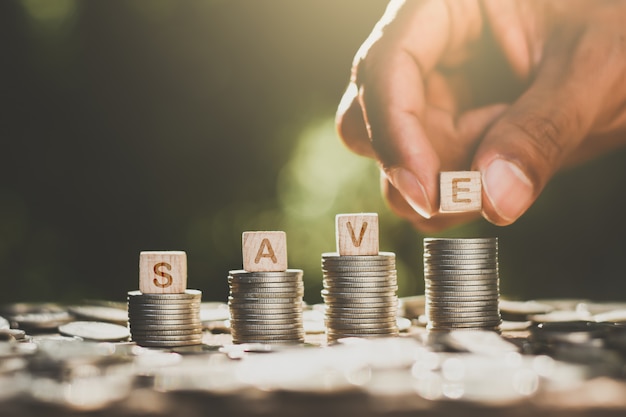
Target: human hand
point(417, 102)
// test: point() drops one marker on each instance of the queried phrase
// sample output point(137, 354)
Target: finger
point(509, 20)
point(521, 152)
point(350, 123)
point(435, 224)
point(391, 79)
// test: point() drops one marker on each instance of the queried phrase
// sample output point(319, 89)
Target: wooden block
point(162, 272)
point(357, 234)
point(264, 251)
point(460, 191)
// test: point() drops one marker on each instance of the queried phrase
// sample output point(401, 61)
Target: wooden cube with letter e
point(460, 191)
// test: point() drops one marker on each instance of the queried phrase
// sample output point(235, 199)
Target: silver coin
point(462, 306)
point(149, 326)
point(461, 320)
point(165, 309)
point(460, 282)
point(178, 338)
point(525, 307)
point(280, 340)
point(372, 276)
point(188, 294)
point(363, 328)
point(349, 323)
point(461, 313)
point(460, 245)
point(268, 327)
point(287, 281)
point(351, 307)
point(461, 288)
point(254, 293)
point(362, 291)
point(380, 256)
point(95, 330)
point(352, 302)
point(163, 303)
point(455, 265)
point(362, 332)
point(460, 292)
point(154, 333)
point(163, 313)
point(265, 311)
point(42, 321)
point(266, 274)
point(455, 272)
point(99, 313)
point(469, 305)
point(368, 305)
point(455, 325)
point(453, 256)
point(166, 319)
point(461, 240)
point(248, 338)
point(279, 287)
point(266, 321)
point(168, 343)
point(360, 282)
point(464, 319)
point(264, 308)
point(264, 300)
point(356, 271)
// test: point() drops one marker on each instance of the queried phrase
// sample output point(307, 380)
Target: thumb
point(528, 144)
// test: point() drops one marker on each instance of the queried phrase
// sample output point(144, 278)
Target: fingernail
point(412, 190)
point(508, 189)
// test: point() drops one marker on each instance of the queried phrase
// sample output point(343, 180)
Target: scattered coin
point(95, 330)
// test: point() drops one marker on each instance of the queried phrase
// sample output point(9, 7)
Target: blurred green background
point(177, 125)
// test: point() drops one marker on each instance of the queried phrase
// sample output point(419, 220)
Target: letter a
point(265, 243)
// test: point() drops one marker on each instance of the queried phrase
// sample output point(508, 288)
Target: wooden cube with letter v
point(162, 272)
point(264, 251)
point(460, 191)
point(357, 234)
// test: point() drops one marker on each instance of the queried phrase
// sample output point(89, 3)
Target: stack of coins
point(266, 306)
point(462, 285)
point(165, 320)
point(360, 295)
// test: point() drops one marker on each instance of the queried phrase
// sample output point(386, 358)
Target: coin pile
point(165, 320)
point(462, 285)
point(266, 307)
point(360, 295)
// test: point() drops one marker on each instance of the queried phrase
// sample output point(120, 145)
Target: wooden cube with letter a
point(357, 234)
point(162, 272)
point(264, 251)
point(460, 191)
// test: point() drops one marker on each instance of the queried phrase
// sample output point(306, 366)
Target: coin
point(156, 333)
point(95, 330)
point(265, 274)
point(335, 256)
point(188, 294)
point(99, 313)
point(168, 343)
point(459, 241)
